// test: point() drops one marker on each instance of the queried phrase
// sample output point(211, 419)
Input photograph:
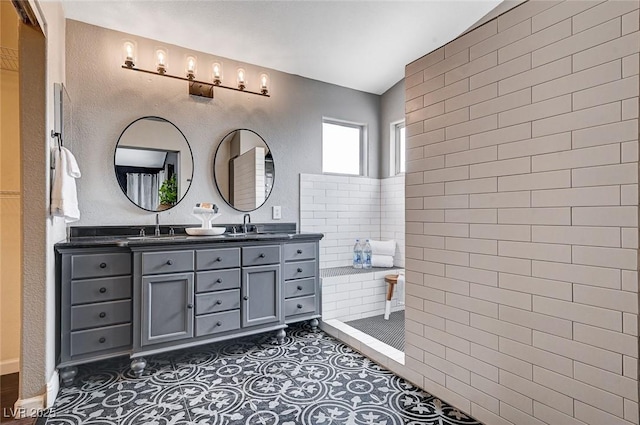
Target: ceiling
point(363, 45)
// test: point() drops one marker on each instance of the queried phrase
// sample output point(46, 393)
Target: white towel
point(400, 288)
point(383, 247)
point(381, 260)
point(64, 197)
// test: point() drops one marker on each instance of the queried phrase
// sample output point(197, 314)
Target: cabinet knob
point(246, 297)
point(299, 270)
point(218, 280)
point(218, 259)
point(103, 265)
point(103, 290)
point(261, 255)
point(299, 251)
point(102, 314)
point(299, 305)
point(218, 323)
point(169, 262)
point(218, 302)
point(189, 306)
point(299, 288)
point(102, 340)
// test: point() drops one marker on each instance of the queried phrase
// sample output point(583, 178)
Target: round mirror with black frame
point(153, 163)
point(243, 170)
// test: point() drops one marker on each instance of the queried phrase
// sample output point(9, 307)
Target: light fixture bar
point(196, 87)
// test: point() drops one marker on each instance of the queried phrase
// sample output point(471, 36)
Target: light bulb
point(129, 53)
point(217, 73)
point(241, 79)
point(264, 82)
point(191, 67)
point(161, 61)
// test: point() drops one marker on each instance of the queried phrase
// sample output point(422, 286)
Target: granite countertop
point(129, 236)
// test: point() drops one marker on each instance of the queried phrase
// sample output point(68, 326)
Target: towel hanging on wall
point(64, 197)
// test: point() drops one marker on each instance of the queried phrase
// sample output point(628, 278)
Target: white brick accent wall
point(349, 208)
point(522, 216)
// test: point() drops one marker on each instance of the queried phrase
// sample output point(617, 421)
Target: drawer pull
point(299, 305)
point(261, 255)
point(103, 265)
point(218, 259)
point(102, 340)
point(219, 324)
point(103, 290)
point(218, 280)
point(102, 315)
point(169, 262)
point(299, 270)
point(299, 288)
point(299, 251)
point(189, 306)
point(218, 302)
point(246, 297)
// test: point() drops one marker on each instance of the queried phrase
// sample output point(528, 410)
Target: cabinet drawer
point(99, 265)
point(298, 288)
point(98, 290)
point(83, 342)
point(217, 280)
point(217, 301)
point(299, 270)
point(299, 251)
point(167, 262)
point(217, 322)
point(100, 314)
point(260, 255)
point(300, 305)
point(212, 259)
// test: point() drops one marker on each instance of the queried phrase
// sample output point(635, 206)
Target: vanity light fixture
point(196, 87)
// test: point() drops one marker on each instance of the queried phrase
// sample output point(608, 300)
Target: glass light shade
point(216, 73)
point(264, 83)
point(129, 53)
point(161, 60)
point(242, 76)
point(191, 66)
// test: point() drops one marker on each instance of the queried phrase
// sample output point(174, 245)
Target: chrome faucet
point(157, 232)
point(244, 222)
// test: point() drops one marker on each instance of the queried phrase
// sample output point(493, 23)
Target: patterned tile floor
point(311, 379)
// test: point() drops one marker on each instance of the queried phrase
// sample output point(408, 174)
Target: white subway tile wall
point(522, 216)
point(349, 208)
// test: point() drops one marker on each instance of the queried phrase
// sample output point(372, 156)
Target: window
point(342, 148)
point(399, 146)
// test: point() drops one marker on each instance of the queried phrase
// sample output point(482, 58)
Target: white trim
point(53, 386)
point(9, 366)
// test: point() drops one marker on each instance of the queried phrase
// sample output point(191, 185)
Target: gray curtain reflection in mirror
point(153, 163)
point(244, 171)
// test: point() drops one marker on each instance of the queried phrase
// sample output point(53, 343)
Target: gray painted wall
point(391, 110)
point(106, 98)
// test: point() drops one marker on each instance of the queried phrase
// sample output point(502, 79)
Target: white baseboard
point(9, 366)
point(28, 407)
point(32, 407)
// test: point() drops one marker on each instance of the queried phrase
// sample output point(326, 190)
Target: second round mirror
point(243, 169)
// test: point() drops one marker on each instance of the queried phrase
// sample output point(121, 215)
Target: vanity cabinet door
point(167, 308)
point(261, 301)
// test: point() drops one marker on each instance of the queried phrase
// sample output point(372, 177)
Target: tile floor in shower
point(311, 379)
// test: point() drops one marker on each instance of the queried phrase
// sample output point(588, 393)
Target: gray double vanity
point(120, 292)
